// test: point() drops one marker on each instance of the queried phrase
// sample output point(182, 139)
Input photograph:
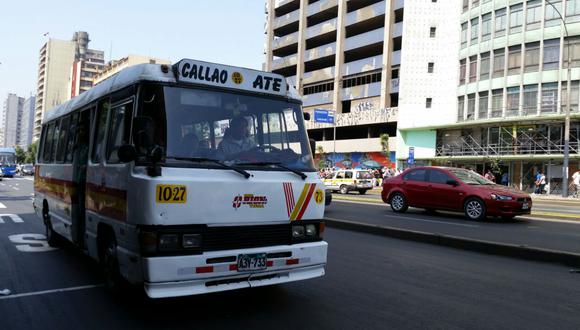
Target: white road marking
point(431, 221)
point(38, 293)
point(15, 188)
point(2, 206)
point(31, 242)
point(575, 222)
point(14, 217)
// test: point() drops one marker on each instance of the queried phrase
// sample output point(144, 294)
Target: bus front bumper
point(191, 275)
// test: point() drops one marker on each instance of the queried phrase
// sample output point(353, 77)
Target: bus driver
point(236, 138)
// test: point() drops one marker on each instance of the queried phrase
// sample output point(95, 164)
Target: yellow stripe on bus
point(300, 202)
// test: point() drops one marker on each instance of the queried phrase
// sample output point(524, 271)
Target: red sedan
point(454, 189)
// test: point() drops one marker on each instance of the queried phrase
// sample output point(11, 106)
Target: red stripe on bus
point(204, 269)
point(306, 202)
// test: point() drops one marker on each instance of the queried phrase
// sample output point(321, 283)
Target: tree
point(31, 153)
point(322, 161)
point(385, 145)
point(20, 155)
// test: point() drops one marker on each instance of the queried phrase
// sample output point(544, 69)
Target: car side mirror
point(127, 153)
point(452, 183)
point(306, 116)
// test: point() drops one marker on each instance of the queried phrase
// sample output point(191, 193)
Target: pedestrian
point(576, 181)
point(489, 176)
point(540, 182)
point(505, 179)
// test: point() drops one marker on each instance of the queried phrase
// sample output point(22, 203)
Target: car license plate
point(250, 262)
point(525, 206)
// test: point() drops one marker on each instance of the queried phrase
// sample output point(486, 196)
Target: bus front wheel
point(110, 264)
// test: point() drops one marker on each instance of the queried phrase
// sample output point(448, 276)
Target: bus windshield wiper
point(246, 174)
point(278, 164)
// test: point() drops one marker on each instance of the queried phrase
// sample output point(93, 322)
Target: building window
point(498, 63)
point(482, 111)
point(361, 80)
point(549, 97)
point(460, 108)
point(432, 32)
point(485, 27)
point(463, 35)
point(462, 72)
point(574, 53)
point(484, 66)
point(470, 107)
point(472, 68)
point(318, 88)
point(500, 22)
point(430, 67)
point(516, 18)
point(496, 103)
point(513, 101)
point(551, 54)
point(574, 95)
point(474, 30)
point(572, 7)
point(533, 14)
point(465, 5)
point(530, 106)
point(428, 102)
point(514, 60)
point(551, 16)
point(532, 60)
point(474, 3)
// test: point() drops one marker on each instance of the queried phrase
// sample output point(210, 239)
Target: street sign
point(323, 116)
point(411, 159)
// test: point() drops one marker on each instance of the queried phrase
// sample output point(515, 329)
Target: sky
point(223, 31)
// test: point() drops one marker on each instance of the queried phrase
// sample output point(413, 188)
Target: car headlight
point(501, 197)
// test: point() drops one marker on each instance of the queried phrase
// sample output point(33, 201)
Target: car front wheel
point(475, 209)
point(399, 203)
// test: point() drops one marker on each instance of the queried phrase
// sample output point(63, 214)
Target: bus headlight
point(298, 232)
point(168, 242)
point(190, 241)
point(310, 230)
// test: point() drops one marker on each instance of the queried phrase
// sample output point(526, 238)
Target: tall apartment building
point(511, 94)
point(12, 112)
point(373, 62)
point(27, 122)
point(115, 66)
point(63, 72)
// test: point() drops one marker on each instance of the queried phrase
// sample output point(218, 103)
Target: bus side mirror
point(306, 116)
point(312, 145)
point(127, 153)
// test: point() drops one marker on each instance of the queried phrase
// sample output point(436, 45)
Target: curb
point(487, 247)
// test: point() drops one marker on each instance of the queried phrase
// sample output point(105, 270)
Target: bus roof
point(154, 73)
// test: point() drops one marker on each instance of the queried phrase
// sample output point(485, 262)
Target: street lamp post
point(567, 119)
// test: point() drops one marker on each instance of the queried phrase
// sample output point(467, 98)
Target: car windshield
point(470, 177)
point(364, 175)
point(204, 126)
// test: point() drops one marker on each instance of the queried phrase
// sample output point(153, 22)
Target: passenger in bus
point(236, 138)
point(189, 145)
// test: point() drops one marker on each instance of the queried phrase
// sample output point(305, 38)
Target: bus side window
point(71, 139)
point(54, 141)
point(61, 142)
point(41, 143)
point(48, 143)
point(99, 137)
point(119, 130)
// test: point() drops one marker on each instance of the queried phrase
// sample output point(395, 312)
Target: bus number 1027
point(171, 193)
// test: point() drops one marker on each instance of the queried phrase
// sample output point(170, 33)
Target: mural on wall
point(357, 160)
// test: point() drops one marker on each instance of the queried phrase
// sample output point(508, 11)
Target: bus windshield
point(205, 126)
point(7, 159)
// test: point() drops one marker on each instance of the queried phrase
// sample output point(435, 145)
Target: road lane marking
point(31, 242)
point(407, 218)
point(2, 206)
point(14, 217)
point(38, 293)
point(15, 188)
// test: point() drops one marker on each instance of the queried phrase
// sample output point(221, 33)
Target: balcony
point(320, 6)
point(318, 52)
point(321, 28)
point(357, 92)
point(284, 62)
point(286, 19)
point(317, 98)
point(286, 40)
point(365, 13)
point(396, 58)
point(363, 39)
point(398, 30)
point(318, 75)
point(366, 64)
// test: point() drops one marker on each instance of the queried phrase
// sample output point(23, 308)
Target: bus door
point(80, 124)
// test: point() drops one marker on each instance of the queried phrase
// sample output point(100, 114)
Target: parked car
point(349, 180)
point(27, 169)
point(454, 189)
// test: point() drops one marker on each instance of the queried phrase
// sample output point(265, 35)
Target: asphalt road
point(372, 282)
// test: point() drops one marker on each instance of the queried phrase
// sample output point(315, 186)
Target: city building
point(369, 61)
point(115, 66)
point(12, 113)
point(511, 94)
point(27, 122)
point(65, 69)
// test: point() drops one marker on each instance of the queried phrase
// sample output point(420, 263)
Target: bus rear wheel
point(52, 238)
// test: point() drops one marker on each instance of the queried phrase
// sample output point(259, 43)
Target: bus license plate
point(171, 193)
point(249, 262)
point(525, 206)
